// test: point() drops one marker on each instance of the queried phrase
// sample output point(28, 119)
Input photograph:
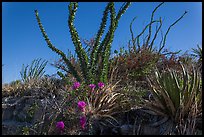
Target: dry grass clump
point(18, 88)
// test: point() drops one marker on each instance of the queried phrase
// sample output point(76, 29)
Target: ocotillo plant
point(94, 68)
point(148, 40)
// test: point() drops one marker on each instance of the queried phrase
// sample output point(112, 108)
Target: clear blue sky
point(22, 40)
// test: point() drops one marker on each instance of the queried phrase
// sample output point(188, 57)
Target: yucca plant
point(34, 71)
point(94, 68)
point(175, 94)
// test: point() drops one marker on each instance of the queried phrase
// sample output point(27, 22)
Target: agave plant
point(175, 94)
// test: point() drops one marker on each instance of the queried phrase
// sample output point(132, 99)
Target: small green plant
point(15, 83)
point(197, 52)
point(31, 111)
point(94, 68)
point(34, 72)
point(26, 130)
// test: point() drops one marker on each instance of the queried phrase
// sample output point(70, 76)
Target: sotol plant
point(95, 67)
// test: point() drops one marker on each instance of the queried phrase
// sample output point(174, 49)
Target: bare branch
point(138, 36)
point(132, 35)
point(155, 35)
point(169, 30)
point(150, 27)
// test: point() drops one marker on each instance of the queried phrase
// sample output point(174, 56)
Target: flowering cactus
point(60, 125)
point(92, 86)
point(76, 85)
point(101, 85)
point(83, 122)
point(81, 105)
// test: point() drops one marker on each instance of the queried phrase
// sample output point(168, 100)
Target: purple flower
point(101, 85)
point(76, 85)
point(81, 105)
point(60, 125)
point(83, 122)
point(92, 86)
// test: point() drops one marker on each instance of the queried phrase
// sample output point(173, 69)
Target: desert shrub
point(11, 88)
point(173, 60)
point(135, 66)
point(169, 61)
point(47, 84)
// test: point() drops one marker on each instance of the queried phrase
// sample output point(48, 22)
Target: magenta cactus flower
point(60, 125)
point(92, 86)
point(81, 105)
point(101, 85)
point(83, 122)
point(76, 85)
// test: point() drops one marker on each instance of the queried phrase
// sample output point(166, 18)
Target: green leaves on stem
point(94, 68)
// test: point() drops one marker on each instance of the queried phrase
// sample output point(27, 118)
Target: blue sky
point(22, 40)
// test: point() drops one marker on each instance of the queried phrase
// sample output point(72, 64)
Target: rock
point(7, 114)
point(38, 115)
point(126, 130)
point(116, 131)
point(12, 127)
point(21, 117)
point(148, 130)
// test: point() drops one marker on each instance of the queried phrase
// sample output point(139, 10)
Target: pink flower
point(101, 85)
point(81, 105)
point(76, 85)
point(83, 122)
point(92, 86)
point(60, 125)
